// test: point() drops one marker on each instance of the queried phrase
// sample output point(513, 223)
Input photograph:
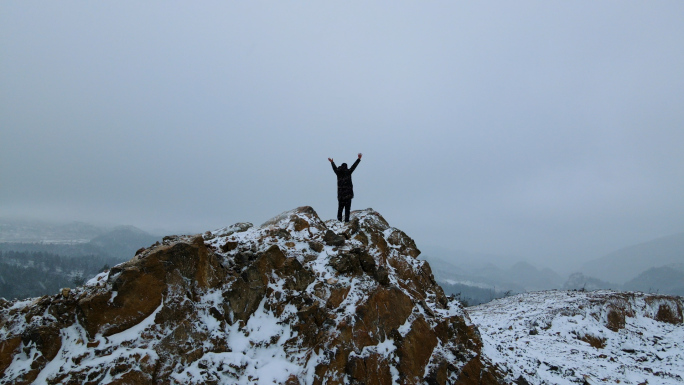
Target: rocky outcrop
point(293, 301)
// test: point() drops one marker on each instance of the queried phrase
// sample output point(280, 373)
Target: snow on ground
point(544, 337)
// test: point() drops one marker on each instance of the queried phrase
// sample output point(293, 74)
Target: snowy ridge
point(572, 337)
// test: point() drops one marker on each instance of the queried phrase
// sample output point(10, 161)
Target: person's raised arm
point(333, 165)
point(351, 170)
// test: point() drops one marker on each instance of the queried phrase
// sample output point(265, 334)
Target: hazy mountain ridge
point(667, 279)
point(33, 231)
point(123, 241)
point(579, 281)
point(40, 268)
point(479, 278)
point(74, 239)
point(476, 283)
point(654, 266)
point(624, 264)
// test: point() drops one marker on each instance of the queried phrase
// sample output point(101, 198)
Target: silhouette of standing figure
point(345, 188)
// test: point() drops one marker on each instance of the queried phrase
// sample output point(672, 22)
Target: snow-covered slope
point(572, 337)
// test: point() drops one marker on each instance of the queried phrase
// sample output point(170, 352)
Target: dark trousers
point(346, 205)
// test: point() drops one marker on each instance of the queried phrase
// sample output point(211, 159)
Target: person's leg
point(347, 208)
point(340, 206)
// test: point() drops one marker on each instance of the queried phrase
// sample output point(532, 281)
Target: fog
point(544, 131)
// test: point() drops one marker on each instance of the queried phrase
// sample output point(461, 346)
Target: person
point(345, 188)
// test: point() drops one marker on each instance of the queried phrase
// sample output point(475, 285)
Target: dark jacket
point(345, 188)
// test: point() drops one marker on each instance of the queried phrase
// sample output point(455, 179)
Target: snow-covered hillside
point(571, 337)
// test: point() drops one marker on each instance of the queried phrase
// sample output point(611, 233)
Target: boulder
point(332, 239)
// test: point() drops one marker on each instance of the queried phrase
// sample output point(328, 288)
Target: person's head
point(343, 166)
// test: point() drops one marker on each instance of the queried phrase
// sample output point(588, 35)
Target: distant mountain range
point(73, 239)
point(625, 264)
point(579, 281)
point(667, 279)
point(27, 231)
point(656, 266)
point(38, 258)
point(481, 279)
point(123, 241)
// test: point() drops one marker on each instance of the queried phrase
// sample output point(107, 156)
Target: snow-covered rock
point(293, 301)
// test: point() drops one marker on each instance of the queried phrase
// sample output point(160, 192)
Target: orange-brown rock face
point(294, 301)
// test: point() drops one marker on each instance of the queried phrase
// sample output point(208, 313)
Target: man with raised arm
point(345, 188)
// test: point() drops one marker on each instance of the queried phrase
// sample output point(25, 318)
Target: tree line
point(25, 274)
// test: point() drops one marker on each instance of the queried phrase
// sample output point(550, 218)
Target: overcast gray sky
point(543, 129)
